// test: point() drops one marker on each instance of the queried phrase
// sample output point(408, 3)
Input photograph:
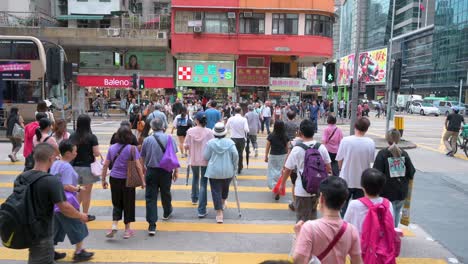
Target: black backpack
point(29, 160)
point(20, 227)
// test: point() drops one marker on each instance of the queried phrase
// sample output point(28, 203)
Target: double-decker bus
point(22, 73)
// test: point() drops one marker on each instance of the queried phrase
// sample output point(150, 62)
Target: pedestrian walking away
point(195, 144)
point(181, 124)
point(29, 132)
point(14, 122)
point(123, 196)
point(158, 180)
point(239, 128)
point(453, 124)
point(159, 114)
point(222, 158)
point(398, 169)
point(355, 154)
point(275, 154)
point(292, 126)
point(253, 119)
point(306, 203)
point(314, 114)
point(332, 136)
point(266, 117)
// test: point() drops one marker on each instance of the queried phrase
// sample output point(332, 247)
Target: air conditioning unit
point(232, 15)
point(248, 14)
point(197, 29)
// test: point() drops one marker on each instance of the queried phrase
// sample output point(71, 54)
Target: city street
point(438, 212)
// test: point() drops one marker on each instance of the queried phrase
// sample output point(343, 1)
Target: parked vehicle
point(424, 108)
point(445, 107)
point(404, 101)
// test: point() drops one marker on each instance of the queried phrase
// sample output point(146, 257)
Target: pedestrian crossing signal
point(142, 84)
point(330, 73)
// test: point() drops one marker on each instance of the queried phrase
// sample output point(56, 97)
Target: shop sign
point(193, 73)
point(15, 70)
point(372, 67)
point(287, 84)
point(123, 81)
point(252, 76)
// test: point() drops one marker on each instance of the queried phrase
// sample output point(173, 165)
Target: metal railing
point(151, 21)
point(26, 19)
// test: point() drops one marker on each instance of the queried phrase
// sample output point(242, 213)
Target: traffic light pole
point(354, 98)
point(390, 94)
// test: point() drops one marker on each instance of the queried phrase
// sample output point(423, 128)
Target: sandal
point(111, 233)
point(128, 234)
point(219, 219)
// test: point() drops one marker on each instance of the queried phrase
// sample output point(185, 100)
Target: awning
point(80, 17)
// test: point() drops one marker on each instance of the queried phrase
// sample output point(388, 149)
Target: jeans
point(199, 186)
point(240, 146)
point(354, 193)
point(397, 207)
point(314, 121)
point(157, 180)
point(123, 200)
point(42, 252)
point(452, 135)
point(253, 139)
point(219, 191)
point(266, 123)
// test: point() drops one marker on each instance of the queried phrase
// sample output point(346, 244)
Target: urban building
point(248, 50)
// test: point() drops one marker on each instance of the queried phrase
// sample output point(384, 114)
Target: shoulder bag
point(169, 161)
point(18, 131)
point(111, 164)
point(134, 171)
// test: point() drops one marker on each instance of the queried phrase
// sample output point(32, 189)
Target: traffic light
point(396, 75)
point(330, 72)
point(53, 66)
point(135, 81)
point(142, 84)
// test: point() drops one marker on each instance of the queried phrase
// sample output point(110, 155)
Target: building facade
point(247, 49)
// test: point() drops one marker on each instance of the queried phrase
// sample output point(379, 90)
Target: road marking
point(160, 256)
point(458, 155)
point(188, 204)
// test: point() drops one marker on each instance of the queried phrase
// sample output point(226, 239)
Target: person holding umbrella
point(195, 144)
point(223, 159)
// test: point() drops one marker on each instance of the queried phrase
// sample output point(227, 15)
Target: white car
point(424, 109)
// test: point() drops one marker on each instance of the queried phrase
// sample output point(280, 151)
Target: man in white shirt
point(239, 128)
point(355, 155)
point(266, 117)
point(341, 108)
point(306, 203)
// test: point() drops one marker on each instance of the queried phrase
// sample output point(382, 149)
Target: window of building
point(255, 62)
point(139, 8)
point(218, 23)
point(105, 23)
point(278, 69)
point(318, 25)
point(162, 8)
point(82, 0)
point(82, 23)
point(105, 1)
point(252, 23)
point(286, 24)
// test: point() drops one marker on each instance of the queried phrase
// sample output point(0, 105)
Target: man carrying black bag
point(26, 216)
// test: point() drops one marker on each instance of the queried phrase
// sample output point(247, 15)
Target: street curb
point(381, 143)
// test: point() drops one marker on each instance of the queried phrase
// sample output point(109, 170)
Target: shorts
point(74, 229)
point(85, 176)
point(182, 133)
point(306, 208)
point(293, 177)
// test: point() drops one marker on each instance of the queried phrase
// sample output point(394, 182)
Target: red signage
point(253, 76)
point(123, 81)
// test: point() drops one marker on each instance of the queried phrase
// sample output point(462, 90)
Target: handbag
point(133, 171)
point(169, 161)
point(18, 131)
point(96, 167)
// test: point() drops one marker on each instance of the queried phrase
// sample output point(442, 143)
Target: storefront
point(210, 79)
point(252, 78)
point(286, 90)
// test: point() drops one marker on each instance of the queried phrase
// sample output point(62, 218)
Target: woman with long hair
point(396, 164)
point(43, 107)
point(195, 144)
point(182, 123)
point(144, 134)
point(60, 131)
point(14, 119)
point(276, 151)
point(123, 197)
point(87, 149)
point(42, 134)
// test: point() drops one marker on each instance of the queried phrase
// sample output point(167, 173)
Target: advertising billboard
point(15, 70)
point(372, 67)
point(145, 60)
point(192, 73)
point(288, 84)
point(253, 76)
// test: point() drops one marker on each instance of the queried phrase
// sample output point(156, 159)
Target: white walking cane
point(237, 196)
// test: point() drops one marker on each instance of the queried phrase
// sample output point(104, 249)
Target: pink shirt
point(333, 144)
point(315, 236)
point(196, 140)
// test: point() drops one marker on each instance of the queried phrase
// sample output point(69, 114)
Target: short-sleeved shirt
point(291, 128)
point(114, 139)
point(316, 235)
point(85, 154)
point(295, 161)
point(278, 145)
point(212, 117)
point(454, 122)
point(65, 171)
point(357, 154)
point(357, 212)
point(46, 192)
point(119, 167)
point(152, 152)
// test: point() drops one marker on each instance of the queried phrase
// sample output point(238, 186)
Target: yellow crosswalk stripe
point(163, 256)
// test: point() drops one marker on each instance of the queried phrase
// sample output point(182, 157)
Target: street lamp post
point(389, 73)
point(355, 89)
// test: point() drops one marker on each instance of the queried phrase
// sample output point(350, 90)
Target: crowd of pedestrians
point(214, 140)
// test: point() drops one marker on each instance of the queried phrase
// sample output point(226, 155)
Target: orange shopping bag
point(277, 189)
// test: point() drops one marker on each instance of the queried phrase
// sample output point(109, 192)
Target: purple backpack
point(314, 168)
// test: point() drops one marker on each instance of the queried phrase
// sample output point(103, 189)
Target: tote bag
point(133, 172)
point(169, 160)
point(18, 131)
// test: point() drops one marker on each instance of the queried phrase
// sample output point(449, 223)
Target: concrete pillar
point(268, 23)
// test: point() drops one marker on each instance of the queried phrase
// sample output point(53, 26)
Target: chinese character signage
point(372, 67)
point(19, 70)
point(205, 73)
point(253, 76)
point(310, 74)
point(288, 84)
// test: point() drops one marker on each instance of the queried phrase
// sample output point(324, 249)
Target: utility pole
point(355, 89)
point(62, 82)
point(389, 73)
point(460, 94)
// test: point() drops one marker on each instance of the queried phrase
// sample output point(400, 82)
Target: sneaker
point(256, 153)
point(82, 256)
point(152, 230)
point(449, 153)
point(58, 255)
point(291, 206)
point(202, 215)
point(194, 202)
point(11, 158)
point(128, 234)
point(167, 217)
point(111, 233)
point(277, 197)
